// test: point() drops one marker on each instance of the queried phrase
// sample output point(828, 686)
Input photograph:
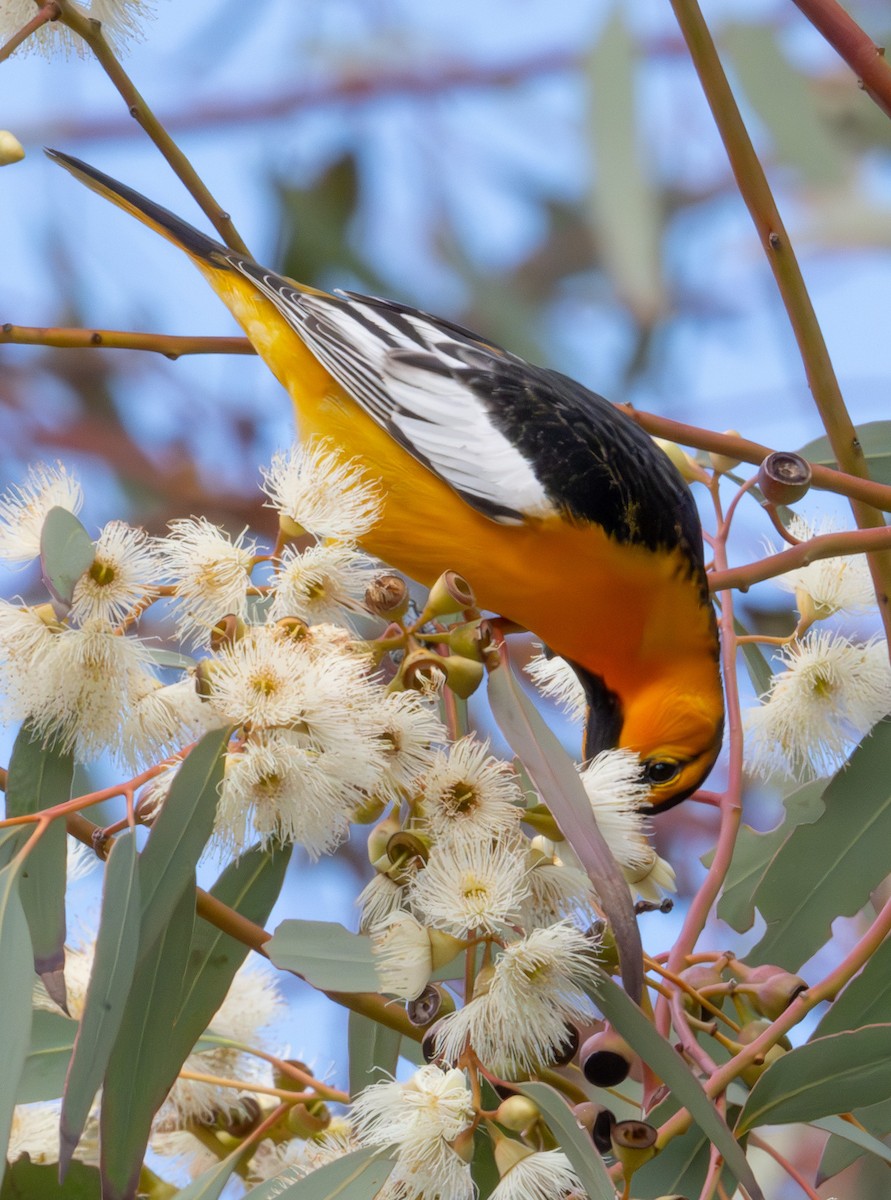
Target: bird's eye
point(660, 771)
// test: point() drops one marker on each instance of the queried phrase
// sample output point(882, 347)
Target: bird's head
point(676, 733)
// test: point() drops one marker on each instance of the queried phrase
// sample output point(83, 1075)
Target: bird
point(561, 512)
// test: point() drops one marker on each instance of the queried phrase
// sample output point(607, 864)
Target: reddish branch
point(853, 44)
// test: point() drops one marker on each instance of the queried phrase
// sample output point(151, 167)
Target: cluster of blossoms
point(461, 854)
point(830, 689)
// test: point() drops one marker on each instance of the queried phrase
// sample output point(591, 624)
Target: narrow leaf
point(558, 783)
point(858, 1137)
point(755, 851)
point(574, 1143)
point(626, 216)
point(66, 552)
point(356, 1176)
point(141, 1068)
point(210, 1183)
point(180, 834)
point(15, 996)
point(52, 1040)
point(822, 1078)
point(839, 1152)
point(668, 1065)
point(117, 945)
point(39, 778)
point(251, 886)
point(373, 1050)
point(836, 861)
point(325, 954)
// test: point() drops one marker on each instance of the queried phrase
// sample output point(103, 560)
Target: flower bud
point(204, 678)
point(606, 1058)
point(517, 1113)
point(508, 1151)
point(748, 1034)
point(689, 469)
point(471, 639)
point(463, 675)
point(633, 1144)
point(723, 463)
point(11, 149)
point(369, 810)
point(771, 989)
point(305, 1120)
point(784, 477)
point(700, 976)
point(387, 596)
point(450, 594)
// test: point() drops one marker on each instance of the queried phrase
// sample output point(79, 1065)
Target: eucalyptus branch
point(171, 346)
point(91, 31)
point(791, 1170)
point(756, 193)
point(827, 545)
point(855, 46)
point(48, 12)
point(827, 479)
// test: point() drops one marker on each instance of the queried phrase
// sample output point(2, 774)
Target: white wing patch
point(406, 370)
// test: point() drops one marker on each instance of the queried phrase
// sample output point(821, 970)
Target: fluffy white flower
point(543, 1175)
point(23, 508)
point(403, 956)
point(830, 694)
point(537, 987)
point(554, 677)
point(614, 786)
point(378, 899)
point(25, 642)
point(210, 572)
point(124, 571)
point(405, 728)
point(162, 720)
point(287, 1162)
point(35, 1133)
point(320, 491)
point(829, 585)
point(121, 20)
point(87, 682)
point(470, 885)
point(470, 794)
point(421, 1117)
point(279, 789)
point(557, 890)
point(321, 583)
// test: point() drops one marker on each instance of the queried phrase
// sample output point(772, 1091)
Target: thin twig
point(91, 32)
point(855, 46)
point(826, 545)
point(756, 193)
point(171, 346)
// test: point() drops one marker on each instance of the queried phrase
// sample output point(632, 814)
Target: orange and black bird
point(561, 512)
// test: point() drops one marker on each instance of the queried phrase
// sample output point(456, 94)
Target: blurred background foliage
point(547, 175)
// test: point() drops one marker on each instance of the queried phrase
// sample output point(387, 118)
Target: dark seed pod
point(784, 477)
point(606, 1059)
point(426, 1007)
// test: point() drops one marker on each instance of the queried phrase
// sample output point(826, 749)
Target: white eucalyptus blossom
point(830, 693)
point(829, 585)
point(164, 719)
point(470, 794)
point(288, 1162)
point(403, 955)
point(278, 789)
point(539, 1175)
point(87, 682)
point(23, 508)
point(519, 1022)
point(319, 490)
point(122, 21)
point(406, 729)
point(322, 583)
point(557, 890)
point(123, 573)
point(420, 1117)
point(35, 1134)
point(555, 678)
point(468, 886)
point(210, 572)
point(26, 639)
point(378, 899)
